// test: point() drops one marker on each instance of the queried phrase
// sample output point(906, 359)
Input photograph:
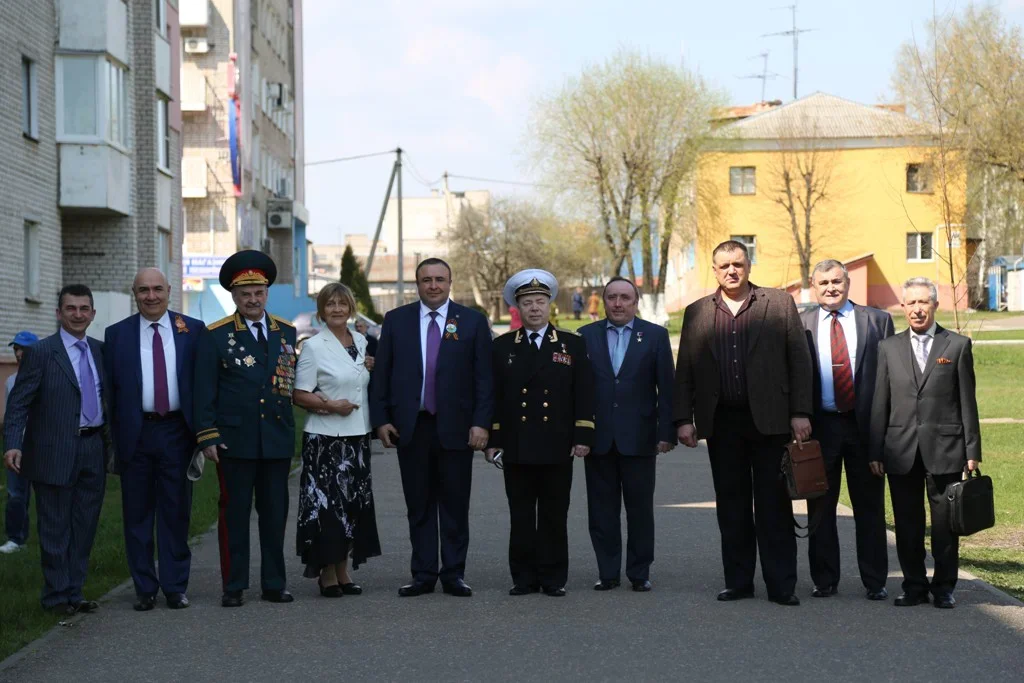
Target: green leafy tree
point(354, 278)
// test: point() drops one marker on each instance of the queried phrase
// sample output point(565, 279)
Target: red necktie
point(161, 402)
point(842, 372)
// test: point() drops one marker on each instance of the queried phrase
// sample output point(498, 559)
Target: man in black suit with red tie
point(843, 339)
point(432, 396)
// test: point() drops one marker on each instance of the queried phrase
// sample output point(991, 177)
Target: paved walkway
point(677, 632)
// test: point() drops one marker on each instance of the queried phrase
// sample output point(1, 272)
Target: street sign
point(201, 266)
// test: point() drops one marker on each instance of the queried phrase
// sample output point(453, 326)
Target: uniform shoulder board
point(221, 322)
point(282, 321)
point(506, 334)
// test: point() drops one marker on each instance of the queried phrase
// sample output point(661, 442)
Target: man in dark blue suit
point(843, 338)
point(54, 433)
point(633, 377)
point(150, 362)
point(432, 395)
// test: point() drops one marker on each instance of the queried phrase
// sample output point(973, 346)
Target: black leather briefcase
point(971, 504)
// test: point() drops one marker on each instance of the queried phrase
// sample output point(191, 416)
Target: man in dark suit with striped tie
point(843, 339)
point(150, 361)
point(54, 434)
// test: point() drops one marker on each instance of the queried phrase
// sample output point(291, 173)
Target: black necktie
point(533, 340)
point(262, 340)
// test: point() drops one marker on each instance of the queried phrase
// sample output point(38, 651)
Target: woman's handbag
point(971, 504)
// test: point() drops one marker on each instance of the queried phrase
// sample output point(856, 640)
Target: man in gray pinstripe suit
point(54, 436)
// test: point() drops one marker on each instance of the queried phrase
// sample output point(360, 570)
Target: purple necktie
point(433, 346)
point(87, 384)
point(161, 403)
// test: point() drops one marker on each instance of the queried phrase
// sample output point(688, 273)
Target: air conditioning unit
point(279, 215)
point(197, 46)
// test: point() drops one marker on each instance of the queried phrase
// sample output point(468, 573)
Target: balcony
point(195, 175)
point(196, 92)
point(95, 179)
point(94, 26)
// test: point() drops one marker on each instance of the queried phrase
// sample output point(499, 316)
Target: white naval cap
point(530, 281)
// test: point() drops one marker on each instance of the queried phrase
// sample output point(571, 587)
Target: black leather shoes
point(787, 600)
point(458, 588)
point(945, 601)
point(85, 606)
point(280, 596)
point(415, 588)
point(824, 591)
point(521, 589)
point(642, 586)
point(232, 599)
point(880, 594)
point(177, 601)
point(554, 591)
point(351, 589)
point(606, 584)
point(144, 603)
point(730, 594)
point(911, 600)
point(61, 610)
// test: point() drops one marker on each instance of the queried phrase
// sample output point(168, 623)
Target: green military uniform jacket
point(544, 398)
point(243, 399)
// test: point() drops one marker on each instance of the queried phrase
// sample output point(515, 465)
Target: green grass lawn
point(22, 619)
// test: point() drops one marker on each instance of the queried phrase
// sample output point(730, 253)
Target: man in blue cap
point(18, 489)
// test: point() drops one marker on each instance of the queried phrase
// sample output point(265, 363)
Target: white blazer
point(325, 366)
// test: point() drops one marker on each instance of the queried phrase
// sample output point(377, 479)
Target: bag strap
point(813, 522)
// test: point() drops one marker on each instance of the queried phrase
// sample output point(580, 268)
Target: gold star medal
point(249, 361)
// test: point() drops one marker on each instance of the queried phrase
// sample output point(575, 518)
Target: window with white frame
point(32, 277)
point(750, 242)
point(164, 252)
point(919, 246)
point(742, 180)
point(92, 100)
point(29, 99)
point(161, 17)
point(163, 136)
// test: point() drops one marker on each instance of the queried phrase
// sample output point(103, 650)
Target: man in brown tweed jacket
point(744, 383)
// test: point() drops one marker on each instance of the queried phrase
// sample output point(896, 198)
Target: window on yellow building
point(918, 178)
point(742, 180)
point(919, 246)
point(750, 242)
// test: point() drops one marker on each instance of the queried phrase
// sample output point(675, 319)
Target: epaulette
point(221, 323)
point(282, 321)
point(506, 334)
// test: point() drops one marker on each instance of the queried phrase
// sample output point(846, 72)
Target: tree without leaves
point(621, 140)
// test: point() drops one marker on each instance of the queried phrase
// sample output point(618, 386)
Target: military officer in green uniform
point(245, 371)
point(544, 416)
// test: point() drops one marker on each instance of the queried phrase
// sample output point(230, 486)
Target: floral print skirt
point(336, 515)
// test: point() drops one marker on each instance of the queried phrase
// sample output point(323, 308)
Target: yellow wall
point(868, 210)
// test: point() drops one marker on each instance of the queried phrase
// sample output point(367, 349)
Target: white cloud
point(504, 84)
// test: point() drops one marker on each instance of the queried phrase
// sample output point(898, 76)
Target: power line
point(352, 158)
point(500, 182)
point(416, 172)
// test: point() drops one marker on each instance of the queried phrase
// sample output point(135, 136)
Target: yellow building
point(871, 176)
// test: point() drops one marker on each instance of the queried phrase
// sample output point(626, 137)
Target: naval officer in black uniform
point(544, 416)
point(245, 372)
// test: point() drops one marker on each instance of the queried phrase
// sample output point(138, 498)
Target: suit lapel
point(939, 344)
point(907, 355)
point(178, 334)
point(633, 349)
point(273, 346)
point(860, 321)
point(602, 345)
point(64, 361)
point(549, 344)
point(135, 341)
point(414, 313)
point(707, 324)
point(758, 310)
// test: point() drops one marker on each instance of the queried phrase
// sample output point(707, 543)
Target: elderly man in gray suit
point(924, 432)
point(54, 436)
point(843, 338)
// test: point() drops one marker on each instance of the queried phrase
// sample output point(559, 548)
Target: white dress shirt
point(846, 321)
point(542, 332)
point(263, 321)
point(442, 320)
point(76, 358)
point(325, 365)
point(170, 360)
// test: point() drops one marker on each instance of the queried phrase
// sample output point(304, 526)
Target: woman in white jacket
point(336, 518)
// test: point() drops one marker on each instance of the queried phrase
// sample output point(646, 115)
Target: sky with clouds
point(452, 81)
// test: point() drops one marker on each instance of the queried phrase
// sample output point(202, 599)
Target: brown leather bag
point(803, 468)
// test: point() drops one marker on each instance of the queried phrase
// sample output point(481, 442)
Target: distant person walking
point(18, 489)
point(515, 320)
point(577, 303)
point(594, 306)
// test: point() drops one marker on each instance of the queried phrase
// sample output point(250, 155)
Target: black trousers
point(241, 480)
point(538, 505)
point(841, 444)
point(437, 484)
point(155, 490)
point(906, 491)
point(67, 518)
point(613, 479)
point(755, 515)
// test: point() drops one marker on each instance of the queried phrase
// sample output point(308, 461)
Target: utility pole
point(401, 264)
point(795, 33)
